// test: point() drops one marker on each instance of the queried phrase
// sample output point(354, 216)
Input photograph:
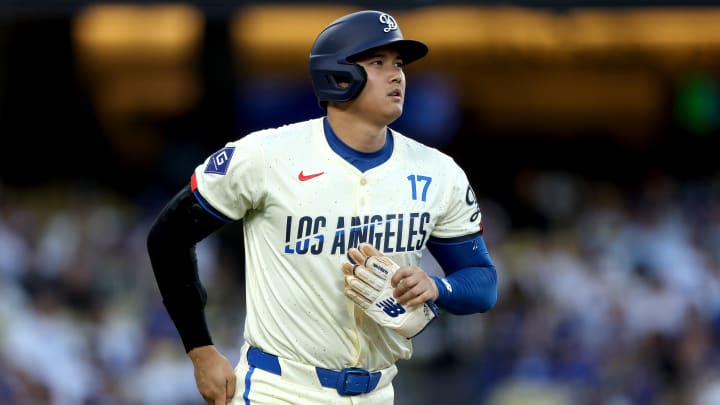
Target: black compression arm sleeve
point(181, 224)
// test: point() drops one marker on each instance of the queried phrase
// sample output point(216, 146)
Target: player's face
point(382, 97)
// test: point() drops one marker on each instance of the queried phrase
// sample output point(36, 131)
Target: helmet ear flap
point(336, 82)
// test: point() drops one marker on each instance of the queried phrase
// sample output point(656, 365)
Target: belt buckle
point(352, 372)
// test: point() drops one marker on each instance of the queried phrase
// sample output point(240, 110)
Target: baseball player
point(337, 212)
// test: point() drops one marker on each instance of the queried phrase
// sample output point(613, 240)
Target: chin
point(394, 115)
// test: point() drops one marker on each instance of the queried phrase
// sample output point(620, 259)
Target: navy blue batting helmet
point(348, 36)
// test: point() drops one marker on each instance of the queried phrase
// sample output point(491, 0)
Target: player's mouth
point(396, 93)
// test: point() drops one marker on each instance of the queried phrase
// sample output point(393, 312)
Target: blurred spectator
point(611, 298)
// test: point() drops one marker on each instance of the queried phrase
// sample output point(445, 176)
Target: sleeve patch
point(220, 160)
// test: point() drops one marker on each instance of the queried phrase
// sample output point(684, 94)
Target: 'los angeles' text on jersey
point(389, 233)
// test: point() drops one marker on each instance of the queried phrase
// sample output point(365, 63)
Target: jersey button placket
point(362, 200)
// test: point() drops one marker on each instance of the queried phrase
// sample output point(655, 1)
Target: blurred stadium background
point(590, 130)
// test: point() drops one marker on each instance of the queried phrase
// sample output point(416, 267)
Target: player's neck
point(360, 135)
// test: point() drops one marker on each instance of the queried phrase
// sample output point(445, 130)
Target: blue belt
point(347, 382)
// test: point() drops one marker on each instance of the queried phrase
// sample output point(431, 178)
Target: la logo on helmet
point(389, 21)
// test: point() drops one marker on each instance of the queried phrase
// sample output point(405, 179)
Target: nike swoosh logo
point(303, 177)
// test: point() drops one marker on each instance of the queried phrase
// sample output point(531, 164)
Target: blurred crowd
point(609, 296)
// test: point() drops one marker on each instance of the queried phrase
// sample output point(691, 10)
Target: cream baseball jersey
point(303, 206)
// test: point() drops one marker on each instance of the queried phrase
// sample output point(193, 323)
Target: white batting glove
point(368, 285)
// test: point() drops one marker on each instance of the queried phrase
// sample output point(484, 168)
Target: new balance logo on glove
point(369, 286)
point(390, 307)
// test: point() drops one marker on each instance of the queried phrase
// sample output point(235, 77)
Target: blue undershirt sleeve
point(470, 282)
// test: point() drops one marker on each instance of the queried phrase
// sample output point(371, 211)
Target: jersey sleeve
point(231, 179)
point(462, 215)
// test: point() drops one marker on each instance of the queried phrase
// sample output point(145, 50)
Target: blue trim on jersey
point(212, 211)
point(470, 284)
point(363, 161)
point(246, 394)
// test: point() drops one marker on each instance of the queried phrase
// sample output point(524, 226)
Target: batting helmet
point(331, 54)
